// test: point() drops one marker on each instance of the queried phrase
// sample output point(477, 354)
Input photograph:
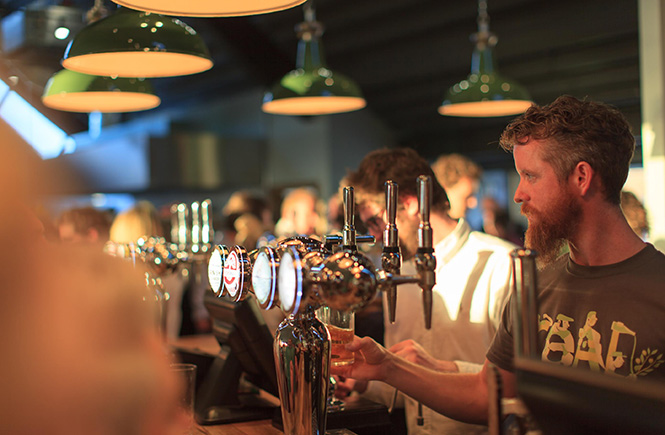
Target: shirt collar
point(447, 248)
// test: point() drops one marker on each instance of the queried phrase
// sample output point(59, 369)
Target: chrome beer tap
point(388, 277)
point(391, 257)
point(285, 276)
point(347, 280)
point(349, 239)
point(425, 260)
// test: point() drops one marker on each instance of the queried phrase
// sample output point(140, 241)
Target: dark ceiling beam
point(265, 62)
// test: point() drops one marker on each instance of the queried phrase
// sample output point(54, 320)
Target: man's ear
point(410, 204)
point(582, 177)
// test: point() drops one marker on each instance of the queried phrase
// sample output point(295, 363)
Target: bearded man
point(573, 158)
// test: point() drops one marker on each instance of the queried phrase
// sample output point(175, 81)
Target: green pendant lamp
point(484, 93)
point(76, 92)
point(209, 8)
point(312, 88)
point(132, 43)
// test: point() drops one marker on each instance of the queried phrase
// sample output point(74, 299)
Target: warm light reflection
point(313, 105)
point(138, 64)
point(105, 102)
point(210, 8)
point(486, 108)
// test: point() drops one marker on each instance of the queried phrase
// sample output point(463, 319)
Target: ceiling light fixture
point(210, 8)
point(484, 93)
point(312, 88)
point(132, 43)
point(76, 92)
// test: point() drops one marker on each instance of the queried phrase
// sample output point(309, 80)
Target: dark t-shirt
point(608, 319)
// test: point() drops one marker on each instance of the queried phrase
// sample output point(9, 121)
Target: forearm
point(462, 396)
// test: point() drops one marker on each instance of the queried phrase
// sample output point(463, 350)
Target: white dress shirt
point(473, 279)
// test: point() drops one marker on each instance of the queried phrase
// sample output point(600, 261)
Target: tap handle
point(425, 260)
point(425, 204)
point(349, 230)
point(390, 257)
point(390, 239)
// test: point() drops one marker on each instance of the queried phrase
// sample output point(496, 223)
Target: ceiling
point(404, 54)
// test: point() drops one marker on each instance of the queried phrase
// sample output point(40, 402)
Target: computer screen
point(245, 361)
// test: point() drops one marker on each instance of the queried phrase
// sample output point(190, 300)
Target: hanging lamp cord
point(96, 12)
point(483, 37)
point(310, 28)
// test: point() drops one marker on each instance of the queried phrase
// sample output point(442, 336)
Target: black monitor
point(245, 360)
point(571, 401)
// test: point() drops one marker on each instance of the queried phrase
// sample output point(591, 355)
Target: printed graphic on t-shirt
point(560, 347)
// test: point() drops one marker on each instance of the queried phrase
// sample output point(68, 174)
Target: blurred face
point(462, 197)
point(549, 204)
point(373, 215)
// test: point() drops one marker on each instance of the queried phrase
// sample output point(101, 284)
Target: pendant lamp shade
point(312, 88)
point(484, 93)
point(132, 43)
point(76, 92)
point(209, 8)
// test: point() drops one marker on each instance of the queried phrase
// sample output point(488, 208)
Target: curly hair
point(450, 168)
point(574, 131)
point(401, 165)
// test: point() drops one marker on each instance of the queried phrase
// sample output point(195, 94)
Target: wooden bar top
point(261, 427)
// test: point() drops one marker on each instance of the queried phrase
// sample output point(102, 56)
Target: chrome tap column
point(524, 298)
point(302, 359)
point(302, 345)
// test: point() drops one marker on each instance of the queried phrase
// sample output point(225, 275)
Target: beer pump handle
point(425, 260)
point(349, 240)
point(425, 204)
point(390, 257)
point(349, 229)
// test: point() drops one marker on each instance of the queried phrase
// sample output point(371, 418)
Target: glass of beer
point(341, 326)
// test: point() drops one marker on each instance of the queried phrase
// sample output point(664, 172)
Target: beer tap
point(388, 277)
point(347, 279)
point(425, 260)
point(391, 258)
point(349, 239)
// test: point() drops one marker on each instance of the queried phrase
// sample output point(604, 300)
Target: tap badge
point(232, 274)
point(215, 267)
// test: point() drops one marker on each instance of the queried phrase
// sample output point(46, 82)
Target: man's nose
point(520, 196)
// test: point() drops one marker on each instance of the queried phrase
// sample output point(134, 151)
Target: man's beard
point(550, 229)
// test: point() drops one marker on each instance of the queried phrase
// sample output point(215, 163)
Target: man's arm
point(462, 396)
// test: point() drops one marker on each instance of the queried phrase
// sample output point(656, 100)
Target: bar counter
point(207, 344)
point(261, 427)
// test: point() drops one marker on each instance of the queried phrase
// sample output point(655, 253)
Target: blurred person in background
point(247, 221)
point(635, 213)
point(496, 221)
point(300, 214)
point(138, 221)
point(84, 225)
point(460, 177)
point(143, 220)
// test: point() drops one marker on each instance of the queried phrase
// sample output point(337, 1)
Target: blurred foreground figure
point(83, 355)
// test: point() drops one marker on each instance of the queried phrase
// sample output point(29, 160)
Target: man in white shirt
point(473, 277)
